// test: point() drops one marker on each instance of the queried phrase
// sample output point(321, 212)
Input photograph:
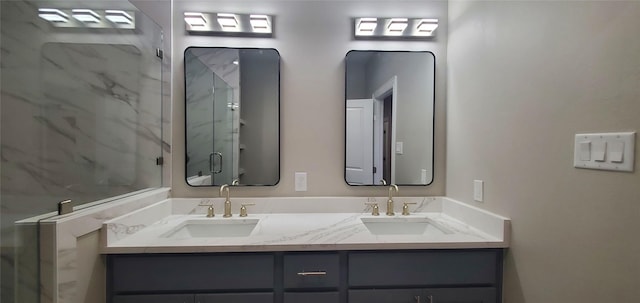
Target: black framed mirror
point(389, 117)
point(232, 116)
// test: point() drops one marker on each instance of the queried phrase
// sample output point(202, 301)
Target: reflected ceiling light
point(260, 23)
point(236, 62)
point(397, 25)
point(366, 26)
point(427, 26)
point(53, 15)
point(85, 15)
point(195, 19)
point(228, 21)
point(117, 16)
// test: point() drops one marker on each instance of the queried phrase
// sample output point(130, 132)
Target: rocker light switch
point(599, 151)
point(616, 151)
point(585, 150)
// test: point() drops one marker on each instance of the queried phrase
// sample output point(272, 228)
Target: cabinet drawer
point(423, 268)
point(311, 270)
point(235, 298)
point(311, 297)
point(184, 272)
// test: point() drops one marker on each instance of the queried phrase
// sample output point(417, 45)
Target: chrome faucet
point(235, 182)
point(392, 187)
point(227, 202)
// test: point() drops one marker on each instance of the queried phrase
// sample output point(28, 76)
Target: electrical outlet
point(301, 181)
point(478, 190)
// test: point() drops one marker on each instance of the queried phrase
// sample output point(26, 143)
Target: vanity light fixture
point(85, 15)
point(228, 22)
point(397, 25)
point(53, 15)
point(88, 18)
point(117, 16)
point(394, 28)
point(195, 19)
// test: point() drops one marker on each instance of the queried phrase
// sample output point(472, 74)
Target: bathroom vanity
point(444, 251)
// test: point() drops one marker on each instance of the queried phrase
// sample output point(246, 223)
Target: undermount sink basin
point(213, 227)
point(403, 226)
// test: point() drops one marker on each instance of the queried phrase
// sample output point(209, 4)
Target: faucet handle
point(210, 213)
point(405, 208)
point(243, 209)
point(375, 211)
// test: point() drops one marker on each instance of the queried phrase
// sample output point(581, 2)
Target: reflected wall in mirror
point(389, 105)
point(232, 98)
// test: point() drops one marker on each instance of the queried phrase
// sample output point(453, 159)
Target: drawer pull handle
point(312, 273)
point(430, 299)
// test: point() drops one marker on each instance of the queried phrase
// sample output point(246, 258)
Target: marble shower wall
point(81, 117)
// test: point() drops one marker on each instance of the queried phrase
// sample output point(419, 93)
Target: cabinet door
point(460, 295)
point(153, 299)
point(386, 296)
point(263, 297)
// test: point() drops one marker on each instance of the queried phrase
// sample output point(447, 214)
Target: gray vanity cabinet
point(381, 276)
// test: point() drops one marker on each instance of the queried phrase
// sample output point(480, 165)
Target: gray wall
point(313, 38)
point(524, 78)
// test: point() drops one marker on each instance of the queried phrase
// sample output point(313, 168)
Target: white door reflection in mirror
point(359, 169)
point(399, 87)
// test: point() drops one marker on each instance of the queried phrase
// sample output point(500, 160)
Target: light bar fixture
point(229, 24)
point(53, 15)
point(119, 17)
point(89, 18)
point(394, 28)
point(85, 15)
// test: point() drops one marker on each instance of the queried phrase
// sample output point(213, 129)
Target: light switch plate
point(478, 190)
point(301, 181)
point(399, 148)
point(608, 151)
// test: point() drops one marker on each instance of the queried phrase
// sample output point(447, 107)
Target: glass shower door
point(223, 155)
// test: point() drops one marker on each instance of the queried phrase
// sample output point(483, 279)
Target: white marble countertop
point(450, 224)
